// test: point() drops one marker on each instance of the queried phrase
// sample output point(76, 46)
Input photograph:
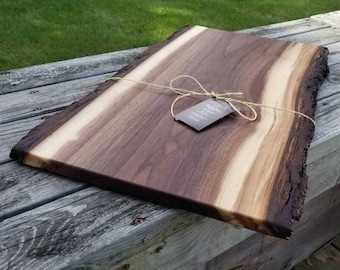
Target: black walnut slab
point(251, 174)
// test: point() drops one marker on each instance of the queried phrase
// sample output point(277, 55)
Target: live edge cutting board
point(251, 174)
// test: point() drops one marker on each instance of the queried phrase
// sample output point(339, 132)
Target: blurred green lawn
point(35, 31)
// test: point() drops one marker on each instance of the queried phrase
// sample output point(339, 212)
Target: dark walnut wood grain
point(250, 174)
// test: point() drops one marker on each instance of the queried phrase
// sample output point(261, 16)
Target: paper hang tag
point(204, 113)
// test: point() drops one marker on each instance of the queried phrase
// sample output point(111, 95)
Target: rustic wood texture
point(36, 76)
point(95, 233)
point(249, 174)
point(322, 219)
point(327, 258)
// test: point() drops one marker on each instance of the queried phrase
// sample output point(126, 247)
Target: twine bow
point(226, 97)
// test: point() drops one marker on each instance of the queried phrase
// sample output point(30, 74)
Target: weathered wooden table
point(49, 222)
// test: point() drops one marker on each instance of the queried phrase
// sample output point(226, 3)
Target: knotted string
point(226, 97)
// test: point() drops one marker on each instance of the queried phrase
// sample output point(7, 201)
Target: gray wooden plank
point(50, 98)
point(328, 257)
point(83, 223)
point(203, 241)
point(327, 114)
point(104, 235)
point(321, 37)
point(100, 255)
point(23, 188)
point(334, 49)
point(331, 18)
point(31, 77)
point(323, 167)
point(287, 29)
point(12, 132)
point(317, 226)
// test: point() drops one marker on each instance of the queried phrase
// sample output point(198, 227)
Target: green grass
point(41, 31)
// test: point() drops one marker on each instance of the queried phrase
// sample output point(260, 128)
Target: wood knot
point(138, 220)
point(334, 78)
point(159, 248)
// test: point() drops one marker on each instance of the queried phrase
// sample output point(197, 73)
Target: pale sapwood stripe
point(240, 173)
point(70, 130)
point(31, 77)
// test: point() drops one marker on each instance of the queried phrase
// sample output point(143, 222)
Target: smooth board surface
point(251, 174)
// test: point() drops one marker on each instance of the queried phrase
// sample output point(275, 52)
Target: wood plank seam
point(303, 32)
point(42, 202)
point(38, 112)
point(45, 74)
